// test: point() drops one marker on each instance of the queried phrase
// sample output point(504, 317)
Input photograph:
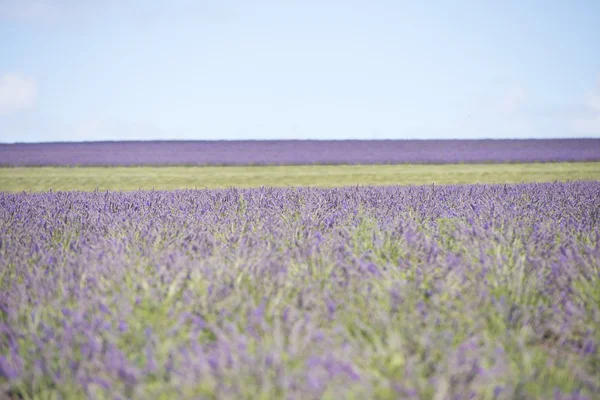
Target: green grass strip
point(35, 179)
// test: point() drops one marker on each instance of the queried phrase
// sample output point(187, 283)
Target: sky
point(85, 70)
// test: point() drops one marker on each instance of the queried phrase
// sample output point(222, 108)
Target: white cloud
point(70, 13)
point(592, 101)
point(589, 122)
point(33, 126)
point(17, 92)
point(105, 129)
point(29, 9)
point(510, 114)
point(501, 113)
point(79, 13)
point(513, 99)
point(587, 126)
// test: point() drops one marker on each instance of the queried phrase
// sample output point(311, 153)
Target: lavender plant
point(452, 292)
point(300, 152)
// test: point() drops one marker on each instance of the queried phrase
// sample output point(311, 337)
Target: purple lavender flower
point(10, 369)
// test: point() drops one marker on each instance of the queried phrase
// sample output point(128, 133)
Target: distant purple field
point(299, 152)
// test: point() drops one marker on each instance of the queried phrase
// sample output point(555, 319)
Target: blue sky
point(74, 70)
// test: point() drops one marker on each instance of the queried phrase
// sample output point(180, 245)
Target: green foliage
point(37, 179)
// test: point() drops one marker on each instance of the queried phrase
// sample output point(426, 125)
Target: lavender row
point(300, 152)
point(451, 292)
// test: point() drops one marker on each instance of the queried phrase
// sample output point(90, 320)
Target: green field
point(134, 178)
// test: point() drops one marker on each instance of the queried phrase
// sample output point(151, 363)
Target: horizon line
point(298, 140)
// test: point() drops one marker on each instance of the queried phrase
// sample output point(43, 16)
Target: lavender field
point(421, 292)
point(291, 152)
